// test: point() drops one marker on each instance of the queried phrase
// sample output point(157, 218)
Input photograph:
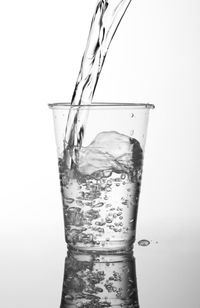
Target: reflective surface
point(164, 274)
point(95, 280)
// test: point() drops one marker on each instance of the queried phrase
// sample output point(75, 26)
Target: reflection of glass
point(95, 281)
point(101, 176)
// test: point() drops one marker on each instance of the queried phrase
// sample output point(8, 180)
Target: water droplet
point(144, 243)
point(132, 115)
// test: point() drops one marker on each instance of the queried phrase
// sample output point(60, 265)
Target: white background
point(154, 58)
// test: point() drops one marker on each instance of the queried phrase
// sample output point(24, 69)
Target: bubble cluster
point(100, 208)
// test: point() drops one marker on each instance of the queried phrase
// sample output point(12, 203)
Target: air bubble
point(123, 176)
point(109, 220)
point(100, 204)
point(79, 202)
point(69, 200)
point(100, 223)
point(70, 297)
point(100, 230)
point(107, 173)
point(109, 182)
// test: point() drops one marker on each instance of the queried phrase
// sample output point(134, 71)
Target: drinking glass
point(101, 186)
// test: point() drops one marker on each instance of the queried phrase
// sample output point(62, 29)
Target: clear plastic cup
point(101, 188)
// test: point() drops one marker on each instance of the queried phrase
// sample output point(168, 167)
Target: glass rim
point(102, 105)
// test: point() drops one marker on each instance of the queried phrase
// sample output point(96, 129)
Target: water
point(144, 243)
point(107, 16)
point(100, 183)
point(94, 281)
point(106, 19)
point(100, 193)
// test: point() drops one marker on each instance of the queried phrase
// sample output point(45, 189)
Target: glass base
point(116, 247)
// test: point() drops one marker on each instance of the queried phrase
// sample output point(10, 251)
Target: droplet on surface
point(144, 243)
